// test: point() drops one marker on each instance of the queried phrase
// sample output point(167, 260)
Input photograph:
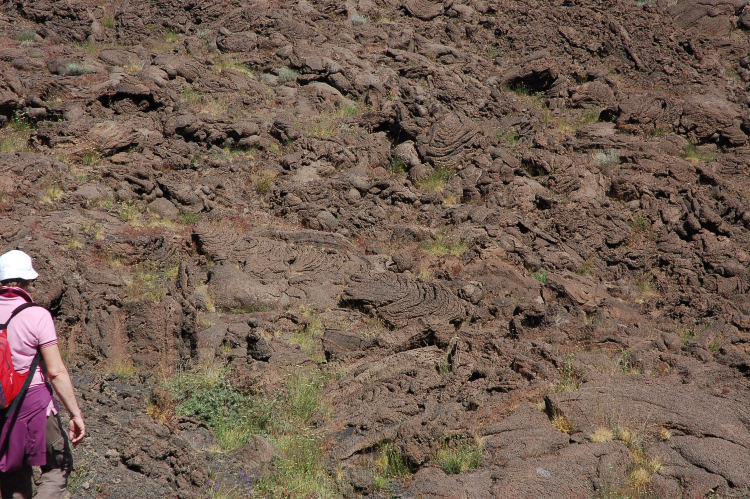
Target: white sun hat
point(16, 264)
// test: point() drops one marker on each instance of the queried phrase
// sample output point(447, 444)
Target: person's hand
point(77, 430)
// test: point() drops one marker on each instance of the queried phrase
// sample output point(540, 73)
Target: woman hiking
point(32, 434)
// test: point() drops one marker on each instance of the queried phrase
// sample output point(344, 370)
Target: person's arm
point(58, 375)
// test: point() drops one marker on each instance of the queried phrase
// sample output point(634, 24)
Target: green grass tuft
point(14, 137)
point(459, 454)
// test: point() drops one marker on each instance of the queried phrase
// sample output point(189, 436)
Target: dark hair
point(16, 282)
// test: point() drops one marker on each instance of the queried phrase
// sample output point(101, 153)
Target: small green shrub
point(359, 20)
point(204, 392)
point(492, 51)
point(287, 74)
point(607, 157)
point(77, 69)
point(459, 454)
point(26, 35)
point(541, 276)
point(108, 22)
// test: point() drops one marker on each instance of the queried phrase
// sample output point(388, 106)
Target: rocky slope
point(518, 227)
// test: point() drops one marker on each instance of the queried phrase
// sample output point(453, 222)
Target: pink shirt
point(29, 331)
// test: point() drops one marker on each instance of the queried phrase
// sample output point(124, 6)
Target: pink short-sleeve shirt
point(30, 330)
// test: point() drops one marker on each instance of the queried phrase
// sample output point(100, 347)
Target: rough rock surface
point(517, 225)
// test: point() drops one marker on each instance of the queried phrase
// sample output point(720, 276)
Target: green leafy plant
point(108, 22)
point(541, 276)
point(492, 51)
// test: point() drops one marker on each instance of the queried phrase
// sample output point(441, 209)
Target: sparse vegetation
point(390, 463)
point(602, 434)
point(396, 166)
point(286, 74)
point(443, 244)
point(491, 51)
point(263, 181)
point(170, 35)
point(460, 454)
point(150, 282)
point(646, 288)
point(568, 380)
point(90, 157)
point(541, 276)
point(14, 137)
point(26, 35)
point(606, 157)
point(77, 69)
point(696, 154)
point(358, 20)
point(440, 175)
point(108, 22)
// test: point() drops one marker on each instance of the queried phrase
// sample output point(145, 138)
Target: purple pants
point(33, 439)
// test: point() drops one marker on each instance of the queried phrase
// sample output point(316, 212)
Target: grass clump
point(108, 22)
point(390, 463)
point(90, 157)
point(491, 51)
point(446, 245)
point(129, 212)
point(299, 469)
point(14, 137)
point(151, 282)
point(263, 182)
point(170, 35)
point(459, 454)
point(602, 434)
point(77, 69)
point(568, 380)
point(439, 176)
point(692, 152)
point(26, 35)
point(53, 193)
point(358, 20)
point(286, 74)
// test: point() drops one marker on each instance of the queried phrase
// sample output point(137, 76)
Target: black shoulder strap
point(17, 311)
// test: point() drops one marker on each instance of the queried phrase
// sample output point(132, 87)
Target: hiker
point(32, 433)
